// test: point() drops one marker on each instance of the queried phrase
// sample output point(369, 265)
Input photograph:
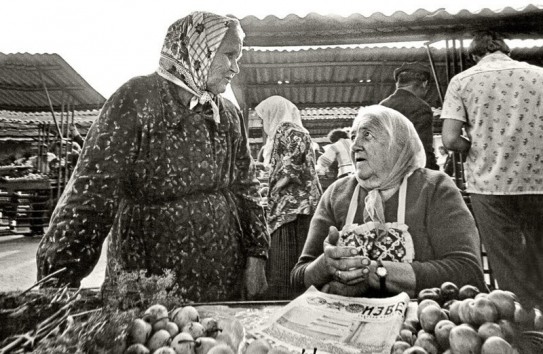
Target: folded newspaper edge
point(336, 324)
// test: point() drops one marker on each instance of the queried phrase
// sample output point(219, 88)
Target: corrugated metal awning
point(421, 25)
point(339, 77)
point(24, 125)
point(29, 81)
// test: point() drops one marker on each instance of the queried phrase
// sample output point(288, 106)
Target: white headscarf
point(274, 111)
point(407, 157)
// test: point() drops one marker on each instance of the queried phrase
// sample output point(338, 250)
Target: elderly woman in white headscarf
point(293, 193)
point(167, 173)
point(404, 228)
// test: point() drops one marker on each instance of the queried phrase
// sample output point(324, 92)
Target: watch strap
point(382, 279)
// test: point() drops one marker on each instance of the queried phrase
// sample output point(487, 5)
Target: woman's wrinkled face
point(225, 63)
point(371, 153)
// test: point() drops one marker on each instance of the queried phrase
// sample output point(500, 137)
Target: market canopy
point(350, 77)
point(422, 25)
point(339, 77)
point(43, 82)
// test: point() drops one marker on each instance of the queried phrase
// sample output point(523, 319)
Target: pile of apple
point(180, 332)
point(464, 321)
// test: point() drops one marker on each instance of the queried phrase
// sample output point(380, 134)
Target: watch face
point(381, 271)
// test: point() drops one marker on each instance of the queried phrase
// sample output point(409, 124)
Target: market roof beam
point(40, 88)
point(324, 64)
point(316, 84)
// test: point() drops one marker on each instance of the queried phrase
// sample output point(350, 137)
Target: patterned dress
point(173, 190)
point(290, 207)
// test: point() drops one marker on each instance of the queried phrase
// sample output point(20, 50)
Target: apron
point(389, 242)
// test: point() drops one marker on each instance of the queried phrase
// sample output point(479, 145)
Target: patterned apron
point(388, 242)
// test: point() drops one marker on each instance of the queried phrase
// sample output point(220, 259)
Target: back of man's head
point(487, 42)
point(336, 134)
point(413, 77)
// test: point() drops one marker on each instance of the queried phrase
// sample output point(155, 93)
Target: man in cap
point(412, 81)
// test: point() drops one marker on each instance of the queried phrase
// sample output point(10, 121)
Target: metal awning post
point(50, 102)
point(434, 72)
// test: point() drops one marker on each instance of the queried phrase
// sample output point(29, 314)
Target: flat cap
point(414, 66)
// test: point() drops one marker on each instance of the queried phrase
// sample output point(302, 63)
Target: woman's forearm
point(400, 278)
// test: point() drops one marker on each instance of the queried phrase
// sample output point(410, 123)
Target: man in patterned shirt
point(499, 102)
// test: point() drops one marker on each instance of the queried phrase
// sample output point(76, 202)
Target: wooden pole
point(50, 103)
point(434, 73)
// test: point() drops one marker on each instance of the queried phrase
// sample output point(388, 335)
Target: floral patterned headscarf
point(188, 51)
point(275, 110)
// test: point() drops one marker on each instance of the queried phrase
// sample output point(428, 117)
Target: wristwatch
point(382, 273)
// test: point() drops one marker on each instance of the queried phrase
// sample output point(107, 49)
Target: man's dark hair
point(487, 42)
point(336, 134)
point(412, 77)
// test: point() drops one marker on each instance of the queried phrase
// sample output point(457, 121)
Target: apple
point(464, 339)
point(221, 349)
point(415, 350)
point(464, 311)
point(137, 348)
point(160, 338)
point(172, 328)
point(523, 317)
point(454, 312)
point(259, 346)
point(397, 348)
point(449, 291)
point(483, 311)
point(423, 304)
point(447, 305)
point(164, 350)
point(538, 320)
point(195, 329)
point(139, 331)
point(430, 316)
point(441, 331)
point(428, 294)
point(504, 302)
point(428, 342)
point(183, 315)
point(407, 336)
point(467, 292)
point(183, 343)
point(512, 294)
point(496, 345)
point(509, 330)
point(490, 329)
point(157, 315)
point(202, 345)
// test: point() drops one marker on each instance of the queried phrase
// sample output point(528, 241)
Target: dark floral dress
point(173, 190)
point(293, 157)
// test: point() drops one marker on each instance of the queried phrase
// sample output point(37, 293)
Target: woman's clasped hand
point(348, 270)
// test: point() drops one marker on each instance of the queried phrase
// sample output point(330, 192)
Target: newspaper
point(336, 324)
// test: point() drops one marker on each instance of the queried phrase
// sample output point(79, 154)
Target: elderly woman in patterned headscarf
point(167, 173)
point(293, 193)
point(404, 228)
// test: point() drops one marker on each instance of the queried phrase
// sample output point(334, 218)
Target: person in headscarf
point(167, 173)
point(403, 227)
point(293, 193)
